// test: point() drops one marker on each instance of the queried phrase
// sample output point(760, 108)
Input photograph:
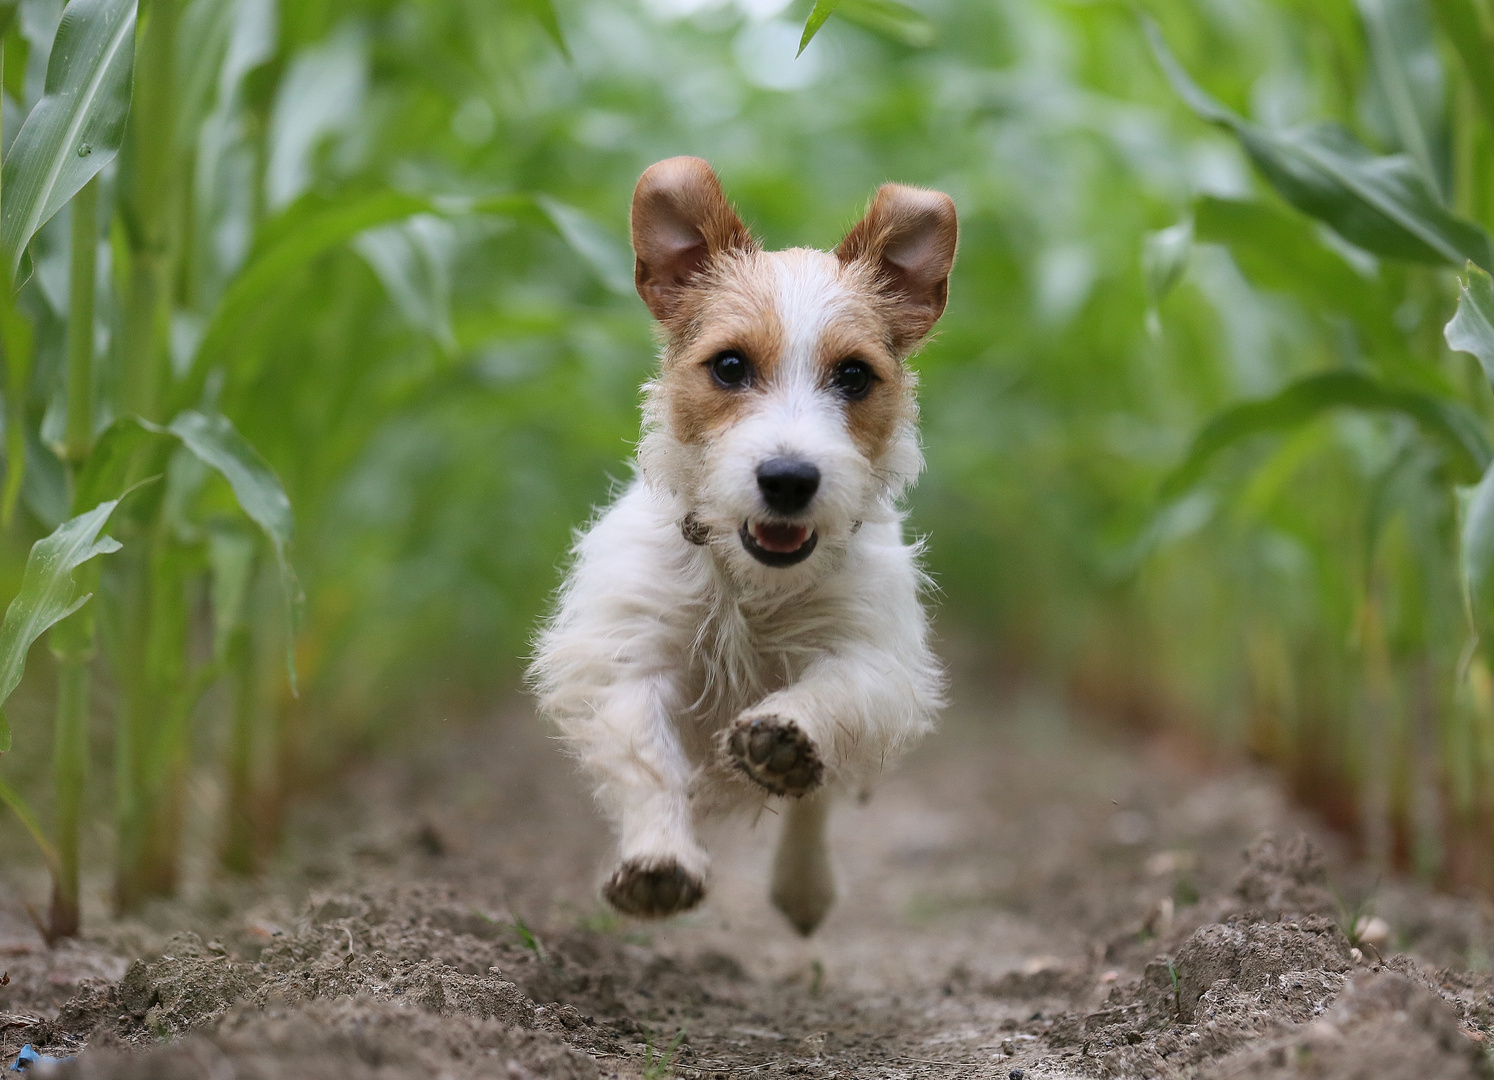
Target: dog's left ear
point(908, 235)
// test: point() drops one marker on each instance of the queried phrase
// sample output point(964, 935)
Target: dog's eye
point(853, 378)
point(730, 369)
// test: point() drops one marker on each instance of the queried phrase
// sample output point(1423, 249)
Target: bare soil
point(1021, 898)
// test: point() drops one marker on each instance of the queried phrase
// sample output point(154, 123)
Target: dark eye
point(730, 369)
point(853, 378)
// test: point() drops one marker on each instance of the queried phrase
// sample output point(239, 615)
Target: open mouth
point(776, 544)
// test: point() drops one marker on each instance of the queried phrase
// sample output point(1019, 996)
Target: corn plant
point(1386, 219)
point(130, 119)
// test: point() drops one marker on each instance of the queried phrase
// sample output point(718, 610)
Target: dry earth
point(1020, 898)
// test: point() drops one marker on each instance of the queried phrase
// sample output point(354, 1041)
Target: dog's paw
point(653, 890)
point(775, 753)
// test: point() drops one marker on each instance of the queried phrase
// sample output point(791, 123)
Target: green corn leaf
point(77, 126)
point(1471, 329)
point(1164, 258)
point(823, 9)
point(413, 260)
point(313, 226)
point(47, 593)
point(1476, 555)
point(1455, 427)
point(309, 229)
point(1469, 34)
point(218, 444)
point(116, 461)
point(201, 43)
point(1408, 69)
point(215, 442)
point(1382, 203)
point(607, 256)
point(1276, 250)
point(889, 19)
point(543, 12)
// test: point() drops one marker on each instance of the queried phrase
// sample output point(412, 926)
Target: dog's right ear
point(681, 220)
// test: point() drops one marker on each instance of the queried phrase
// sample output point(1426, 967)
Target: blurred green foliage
point(1198, 450)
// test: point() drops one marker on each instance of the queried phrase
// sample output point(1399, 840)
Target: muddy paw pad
point(777, 755)
point(652, 892)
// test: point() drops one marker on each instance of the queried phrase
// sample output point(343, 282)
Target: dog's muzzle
point(778, 544)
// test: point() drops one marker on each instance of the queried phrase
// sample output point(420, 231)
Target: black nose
point(787, 484)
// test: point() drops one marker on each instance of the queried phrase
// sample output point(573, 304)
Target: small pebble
point(1373, 930)
point(1015, 1074)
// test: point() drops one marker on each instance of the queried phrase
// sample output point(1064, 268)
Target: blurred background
point(1199, 456)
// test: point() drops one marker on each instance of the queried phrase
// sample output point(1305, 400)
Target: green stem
point(3, 31)
point(152, 184)
point(240, 837)
point(1469, 34)
point(78, 439)
point(72, 642)
point(15, 438)
point(149, 181)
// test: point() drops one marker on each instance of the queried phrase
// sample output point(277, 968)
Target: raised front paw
point(775, 753)
point(652, 890)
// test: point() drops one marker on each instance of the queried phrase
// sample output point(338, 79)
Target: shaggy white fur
point(688, 676)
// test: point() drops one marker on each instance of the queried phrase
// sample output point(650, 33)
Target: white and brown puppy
point(745, 621)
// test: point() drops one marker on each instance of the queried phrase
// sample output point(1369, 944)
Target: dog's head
point(783, 413)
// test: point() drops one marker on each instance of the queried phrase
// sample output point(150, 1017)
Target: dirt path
point(1018, 897)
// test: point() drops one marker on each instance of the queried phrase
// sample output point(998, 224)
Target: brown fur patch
point(873, 420)
point(734, 306)
point(729, 307)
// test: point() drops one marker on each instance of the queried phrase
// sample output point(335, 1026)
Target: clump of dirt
point(1069, 911)
point(1278, 989)
point(1382, 1024)
point(345, 1039)
point(1289, 878)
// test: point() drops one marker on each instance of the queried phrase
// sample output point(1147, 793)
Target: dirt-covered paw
point(653, 890)
point(775, 753)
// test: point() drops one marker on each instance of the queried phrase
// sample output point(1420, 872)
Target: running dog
point(745, 622)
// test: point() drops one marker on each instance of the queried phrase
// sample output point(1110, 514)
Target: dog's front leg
point(850, 708)
point(631, 746)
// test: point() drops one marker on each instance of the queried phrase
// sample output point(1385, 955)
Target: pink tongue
point(780, 538)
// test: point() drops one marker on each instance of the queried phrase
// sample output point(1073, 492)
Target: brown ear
point(680, 221)
point(908, 235)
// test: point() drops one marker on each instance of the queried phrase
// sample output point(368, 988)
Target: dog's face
point(783, 414)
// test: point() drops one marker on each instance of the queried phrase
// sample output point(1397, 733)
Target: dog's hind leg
point(803, 883)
